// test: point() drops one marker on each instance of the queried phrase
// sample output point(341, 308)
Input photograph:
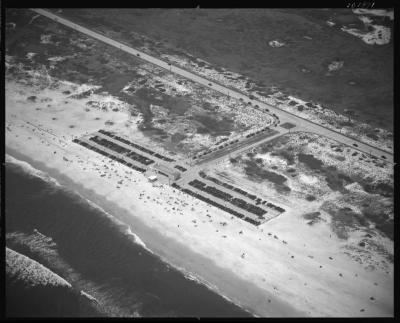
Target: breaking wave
point(103, 259)
point(30, 170)
point(30, 271)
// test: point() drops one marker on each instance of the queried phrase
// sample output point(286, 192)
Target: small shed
point(152, 178)
point(166, 171)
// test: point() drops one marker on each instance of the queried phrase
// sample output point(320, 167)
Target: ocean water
point(102, 259)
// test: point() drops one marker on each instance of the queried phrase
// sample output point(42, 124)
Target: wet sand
point(226, 283)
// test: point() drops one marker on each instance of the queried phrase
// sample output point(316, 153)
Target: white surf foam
point(37, 173)
point(191, 276)
point(128, 230)
point(90, 297)
point(31, 271)
point(137, 239)
point(29, 169)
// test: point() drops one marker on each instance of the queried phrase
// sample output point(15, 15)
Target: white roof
point(152, 177)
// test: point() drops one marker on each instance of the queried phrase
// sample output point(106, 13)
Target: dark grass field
point(313, 217)
point(345, 218)
point(374, 208)
point(213, 126)
point(237, 39)
point(106, 66)
point(255, 170)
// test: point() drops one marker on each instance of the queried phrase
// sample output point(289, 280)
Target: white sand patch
point(11, 25)
point(276, 43)
point(297, 100)
point(45, 39)
point(9, 58)
point(365, 20)
point(375, 12)
point(335, 65)
point(57, 59)
point(170, 82)
point(80, 88)
point(80, 43)
point(355, 187)
point(268, 159)
point(307, 179)
point(30, 55)
point(380, 35)
point(9, 61)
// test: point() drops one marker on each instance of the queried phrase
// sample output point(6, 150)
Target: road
point(284, 116)
point(238, 148)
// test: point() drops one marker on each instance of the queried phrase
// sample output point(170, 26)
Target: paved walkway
point(284, 116)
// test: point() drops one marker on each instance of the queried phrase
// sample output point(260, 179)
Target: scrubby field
point(336, 57)
point(333, 185)
point(135, 99)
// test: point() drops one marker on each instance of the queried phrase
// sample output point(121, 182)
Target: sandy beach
point(281, 268)
point(193, 264)
point(250, 267)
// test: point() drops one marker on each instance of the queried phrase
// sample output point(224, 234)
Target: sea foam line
point(201, 281)
point(90, 297)
point(32, 271)
point(29, 169)
point(137, 240)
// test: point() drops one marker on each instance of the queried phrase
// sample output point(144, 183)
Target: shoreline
point(242, 293)
point(251, 266)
